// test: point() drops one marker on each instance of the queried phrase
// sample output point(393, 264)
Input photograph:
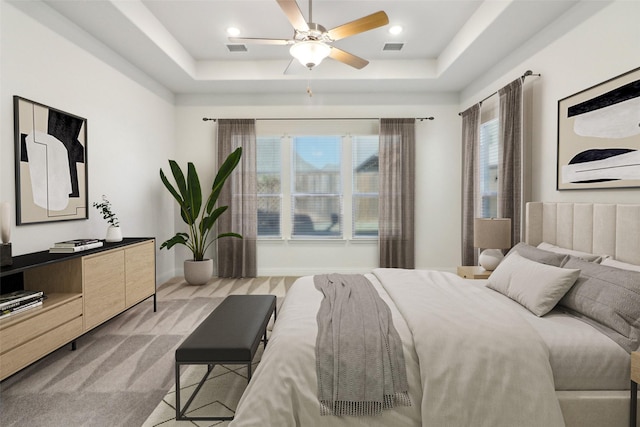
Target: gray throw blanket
point(359, 357)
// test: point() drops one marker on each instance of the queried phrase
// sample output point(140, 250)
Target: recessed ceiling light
point(233, 31)
point(396, 29)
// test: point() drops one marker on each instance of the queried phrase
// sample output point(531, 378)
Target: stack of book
point(77, 245)
point(19, 301)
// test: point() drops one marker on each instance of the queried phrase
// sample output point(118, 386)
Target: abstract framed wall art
point(50, 164)
point(599, 135)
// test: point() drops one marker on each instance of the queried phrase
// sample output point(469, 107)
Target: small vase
point(198, 272)
point(114, 234)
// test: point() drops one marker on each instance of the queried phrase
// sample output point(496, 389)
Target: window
point(488, 157)
point(269, 186)
point(365, 186)
point(317, 186)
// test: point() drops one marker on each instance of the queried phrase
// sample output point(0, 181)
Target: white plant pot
point(198, 272)
point(114, 234)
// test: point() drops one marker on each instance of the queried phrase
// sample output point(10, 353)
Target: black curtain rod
point(206, 119)
point(525, 75)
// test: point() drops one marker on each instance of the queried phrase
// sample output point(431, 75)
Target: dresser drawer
point(21, 356)
point(38, 321)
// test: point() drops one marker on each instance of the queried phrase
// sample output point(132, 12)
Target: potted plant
point(199, 217)
point(114, 234)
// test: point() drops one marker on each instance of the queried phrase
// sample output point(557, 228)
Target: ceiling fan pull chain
point(309, 91)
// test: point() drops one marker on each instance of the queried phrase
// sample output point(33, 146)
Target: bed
point(474, 353)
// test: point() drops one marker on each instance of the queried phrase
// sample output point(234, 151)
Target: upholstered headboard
point(604, 229)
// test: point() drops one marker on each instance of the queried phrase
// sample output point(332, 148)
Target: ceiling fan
point(311, 42)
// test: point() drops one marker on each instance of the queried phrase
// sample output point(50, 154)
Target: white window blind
point(269, 186)
point(365, 186)
point(488, 161)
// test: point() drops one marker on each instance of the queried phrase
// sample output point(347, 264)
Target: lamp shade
point(310, 53)
point(492, 233)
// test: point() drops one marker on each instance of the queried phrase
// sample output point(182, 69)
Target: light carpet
point(123, 369)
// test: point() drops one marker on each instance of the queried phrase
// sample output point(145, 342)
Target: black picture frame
point(599, 136)
point(51, 171)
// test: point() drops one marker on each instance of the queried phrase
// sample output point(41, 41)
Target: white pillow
point(557, 249)
point(536, 286)
point(619, 264)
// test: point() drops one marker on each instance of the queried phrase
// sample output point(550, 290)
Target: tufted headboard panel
point(603, 229)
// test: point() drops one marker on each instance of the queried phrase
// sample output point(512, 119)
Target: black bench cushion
point(231, 333)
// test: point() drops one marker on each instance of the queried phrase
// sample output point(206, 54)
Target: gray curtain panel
point(237, 257)
point(397, 193)
point(470, 141)
point(510, 168)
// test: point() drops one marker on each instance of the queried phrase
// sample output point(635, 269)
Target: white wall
point(130, 132)
point(437, 174)
point(605, 45)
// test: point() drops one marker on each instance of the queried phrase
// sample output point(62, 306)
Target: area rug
point(123, 369)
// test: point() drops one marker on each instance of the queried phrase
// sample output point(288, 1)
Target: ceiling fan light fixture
point(310, 52)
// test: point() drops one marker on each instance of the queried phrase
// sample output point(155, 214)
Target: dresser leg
point(633, 404)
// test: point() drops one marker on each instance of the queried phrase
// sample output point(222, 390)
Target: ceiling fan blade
point(294, 15)
point(259, 40)
point(361, 25)
point(347, 58)
point(286, 69)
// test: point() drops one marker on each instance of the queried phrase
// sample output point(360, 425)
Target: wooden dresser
point(82, 291)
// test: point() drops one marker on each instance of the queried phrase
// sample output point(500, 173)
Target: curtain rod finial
point(206, 119)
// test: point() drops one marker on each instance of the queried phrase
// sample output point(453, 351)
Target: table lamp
point(491, 234)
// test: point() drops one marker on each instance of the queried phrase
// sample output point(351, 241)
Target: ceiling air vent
point(393, 46)
point(237, 47)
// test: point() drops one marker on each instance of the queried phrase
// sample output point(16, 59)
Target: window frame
point(489, 117)
point(273, 195)
point(346, 198)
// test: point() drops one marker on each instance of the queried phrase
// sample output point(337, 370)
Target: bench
point(230, 335)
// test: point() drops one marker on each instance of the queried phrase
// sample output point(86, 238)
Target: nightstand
point(473, 272)
point(635, 379)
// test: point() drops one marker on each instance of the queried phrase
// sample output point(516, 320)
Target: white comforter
point(471, 361)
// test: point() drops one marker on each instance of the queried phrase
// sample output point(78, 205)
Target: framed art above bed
point(599, 135)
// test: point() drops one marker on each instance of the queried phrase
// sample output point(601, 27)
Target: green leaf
point(225, 170)
point(209, 221)
point(178, 239)
point(229, 235)
point(172, 190)
point(179, 177)
point(194, 191)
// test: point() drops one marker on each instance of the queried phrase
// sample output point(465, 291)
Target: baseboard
point(308, 272)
